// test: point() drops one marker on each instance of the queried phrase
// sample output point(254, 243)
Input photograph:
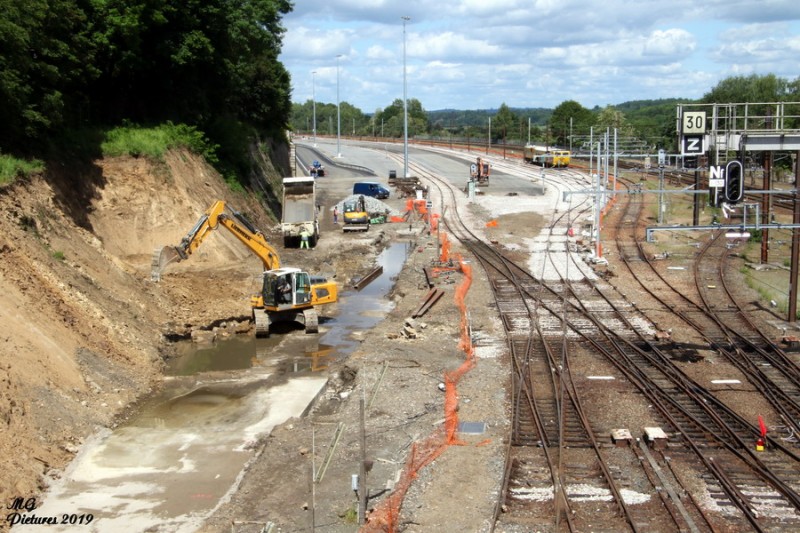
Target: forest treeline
point(643, 124)
point(72, 65)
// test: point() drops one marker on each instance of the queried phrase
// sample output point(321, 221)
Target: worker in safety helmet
point(304, 236)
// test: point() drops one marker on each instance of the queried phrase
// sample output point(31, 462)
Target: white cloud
point(669, 43)
point(472, 54)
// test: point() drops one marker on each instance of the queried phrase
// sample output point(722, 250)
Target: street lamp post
point(314, 103)
point(405, 103)
point(338, 114)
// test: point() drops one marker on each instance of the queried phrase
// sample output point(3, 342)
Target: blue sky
point(478, 54)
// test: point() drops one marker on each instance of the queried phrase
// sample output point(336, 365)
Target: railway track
point(777, 471)
point(563, 473)
point(558, 465)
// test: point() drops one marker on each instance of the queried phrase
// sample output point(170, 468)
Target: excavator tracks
point(311, 320)
point(261, 321)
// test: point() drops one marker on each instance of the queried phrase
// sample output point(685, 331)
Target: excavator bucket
point(161, 258)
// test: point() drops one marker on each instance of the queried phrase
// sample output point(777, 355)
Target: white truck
point(299, 211)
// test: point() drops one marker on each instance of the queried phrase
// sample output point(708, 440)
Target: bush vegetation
point(12, 168)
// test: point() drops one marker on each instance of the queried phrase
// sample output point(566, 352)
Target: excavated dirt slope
point(83, 332)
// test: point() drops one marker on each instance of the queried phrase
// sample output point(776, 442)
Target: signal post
point(739, 129)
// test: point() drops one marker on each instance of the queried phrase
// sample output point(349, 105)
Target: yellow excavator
point(288, 294)
point(355, 216)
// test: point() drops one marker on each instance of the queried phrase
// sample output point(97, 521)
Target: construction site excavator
point(355, 216)
point(287, 294)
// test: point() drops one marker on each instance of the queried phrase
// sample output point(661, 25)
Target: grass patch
point(350, 516)
point(154, 142)
point(12, 168)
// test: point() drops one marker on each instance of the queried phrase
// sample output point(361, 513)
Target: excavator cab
point(289, 295)
point(286, 288)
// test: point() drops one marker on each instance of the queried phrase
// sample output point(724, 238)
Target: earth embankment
point(84, 328)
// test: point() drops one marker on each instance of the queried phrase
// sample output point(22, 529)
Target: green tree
point(191, 59)
point(504, 123)
point(613, 119)
point(391, 119)
point(46, 60)
point(753, 88)
point(569, 118)
point(68, 63)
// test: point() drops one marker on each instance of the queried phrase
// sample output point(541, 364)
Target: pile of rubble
point(372, 205)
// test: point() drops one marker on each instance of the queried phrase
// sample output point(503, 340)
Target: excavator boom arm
point(238, 226)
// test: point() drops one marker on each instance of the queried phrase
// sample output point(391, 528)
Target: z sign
point(692, 144)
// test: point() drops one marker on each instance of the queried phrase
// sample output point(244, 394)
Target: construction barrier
point(444, 254)
point(386, 516)
point(434, 222)
point(451, 379)
point(603, 212)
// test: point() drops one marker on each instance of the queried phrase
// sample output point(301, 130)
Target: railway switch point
point(621, 437)
point(656, 438)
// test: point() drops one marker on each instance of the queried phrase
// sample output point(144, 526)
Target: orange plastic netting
point(444, 253)
point(385, 517)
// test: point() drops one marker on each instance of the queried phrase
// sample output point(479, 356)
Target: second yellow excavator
point(287, 294)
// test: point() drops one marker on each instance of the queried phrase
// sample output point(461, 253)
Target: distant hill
point(451, 118)
point(634, 110)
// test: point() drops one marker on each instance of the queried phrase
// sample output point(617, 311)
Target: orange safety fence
point(419, 206)
point(451, 379)
point(444, 254)
point(385, 518)
point(609, 204)
point(603, 212)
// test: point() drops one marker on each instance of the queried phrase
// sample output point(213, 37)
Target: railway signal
point(734, 182)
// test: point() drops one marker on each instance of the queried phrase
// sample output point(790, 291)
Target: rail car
point(546, 158)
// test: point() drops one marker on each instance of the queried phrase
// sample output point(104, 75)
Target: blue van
point(371, 188)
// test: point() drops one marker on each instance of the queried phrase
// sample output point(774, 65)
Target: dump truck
point(299, 211)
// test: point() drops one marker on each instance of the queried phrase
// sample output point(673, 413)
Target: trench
point(183, 453)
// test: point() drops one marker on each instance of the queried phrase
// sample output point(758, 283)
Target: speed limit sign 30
point(693, 122)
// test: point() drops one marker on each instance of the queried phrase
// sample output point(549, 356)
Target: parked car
point(371, 188)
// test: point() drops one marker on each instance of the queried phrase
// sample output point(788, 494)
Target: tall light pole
point(338, 115)
point(314, 102)
point(405, 104)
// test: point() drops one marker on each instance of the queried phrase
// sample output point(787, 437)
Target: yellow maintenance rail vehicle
point(287, 294)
